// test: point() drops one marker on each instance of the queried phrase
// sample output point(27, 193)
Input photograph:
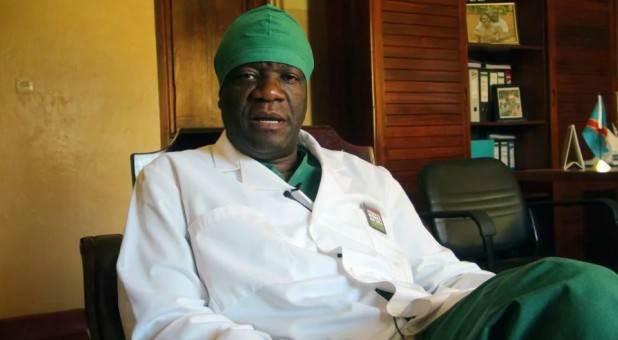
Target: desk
point(558, 175)
point(574, 233)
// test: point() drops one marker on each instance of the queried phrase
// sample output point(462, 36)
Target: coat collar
point(251, 172)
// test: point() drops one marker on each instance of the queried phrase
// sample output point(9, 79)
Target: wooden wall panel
point(341, 84)
point(581, 46)
point(420, 50)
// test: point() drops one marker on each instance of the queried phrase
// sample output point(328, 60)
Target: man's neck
point(287, 165)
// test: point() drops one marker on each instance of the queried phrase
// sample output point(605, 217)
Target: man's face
point(494, 16)
point(263, 106)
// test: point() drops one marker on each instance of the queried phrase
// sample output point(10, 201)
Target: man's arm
point(160, 293)
point(433, 265)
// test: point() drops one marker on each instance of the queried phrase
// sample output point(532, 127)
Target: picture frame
point(492, 23)
point(507, 102)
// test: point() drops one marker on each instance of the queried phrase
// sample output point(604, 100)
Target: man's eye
point(290, 77)
point(247, 76)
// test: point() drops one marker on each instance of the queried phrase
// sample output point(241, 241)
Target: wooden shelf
point(494, 48)
point(508, 123)
point(529, 71)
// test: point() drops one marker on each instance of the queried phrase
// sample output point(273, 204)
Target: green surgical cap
point(264, 34)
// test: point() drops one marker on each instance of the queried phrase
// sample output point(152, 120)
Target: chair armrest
point(483, 222)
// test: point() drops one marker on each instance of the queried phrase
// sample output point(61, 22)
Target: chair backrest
point(99, 257)
point(186, 138)
point(330, 139)
point(477, 184)
point(192, 138)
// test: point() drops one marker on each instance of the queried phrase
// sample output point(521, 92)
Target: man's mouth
point(268, 120)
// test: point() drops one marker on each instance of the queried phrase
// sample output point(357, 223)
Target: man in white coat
point(267, 235)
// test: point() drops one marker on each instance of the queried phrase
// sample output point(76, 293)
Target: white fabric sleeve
point(160, 293)
point(433, 265)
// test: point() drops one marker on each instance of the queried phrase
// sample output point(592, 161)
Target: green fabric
point(308, 172)
point(268, 34)
point(549, 299)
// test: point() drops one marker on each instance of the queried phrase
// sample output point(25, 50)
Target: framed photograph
point(492, 23)
point(507, 102)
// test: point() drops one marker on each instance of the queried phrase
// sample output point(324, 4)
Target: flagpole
point(601, 165)
point(600, 124)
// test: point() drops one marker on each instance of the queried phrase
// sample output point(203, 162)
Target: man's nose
point(268, 89)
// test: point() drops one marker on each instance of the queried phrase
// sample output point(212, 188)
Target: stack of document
point(504, 149)
point(481, 77)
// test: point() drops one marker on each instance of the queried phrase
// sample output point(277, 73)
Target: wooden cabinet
point(188, 34)
point(528, 61)
point(565, 57)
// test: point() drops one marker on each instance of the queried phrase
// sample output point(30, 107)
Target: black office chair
point(185, 139)
point(476, 208)
point(100, 253)
point(99, 256)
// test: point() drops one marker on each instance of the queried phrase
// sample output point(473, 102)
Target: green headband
point(264, 34)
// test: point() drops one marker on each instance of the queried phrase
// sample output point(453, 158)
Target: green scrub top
point(307, 174)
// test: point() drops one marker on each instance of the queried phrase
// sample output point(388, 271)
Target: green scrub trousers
point(550, 299)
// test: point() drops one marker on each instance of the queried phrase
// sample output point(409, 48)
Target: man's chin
point(265, 144)
point(268, 149)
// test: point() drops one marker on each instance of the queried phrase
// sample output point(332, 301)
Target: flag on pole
point(595, 130)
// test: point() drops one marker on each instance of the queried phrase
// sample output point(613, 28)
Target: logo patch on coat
point(374, 218)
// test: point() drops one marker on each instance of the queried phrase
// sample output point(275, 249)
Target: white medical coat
point(213, 250)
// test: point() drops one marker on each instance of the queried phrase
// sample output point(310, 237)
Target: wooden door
point(420, 80)
point(188, 34)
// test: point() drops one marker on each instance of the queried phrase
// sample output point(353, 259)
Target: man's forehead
point(268, 64)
